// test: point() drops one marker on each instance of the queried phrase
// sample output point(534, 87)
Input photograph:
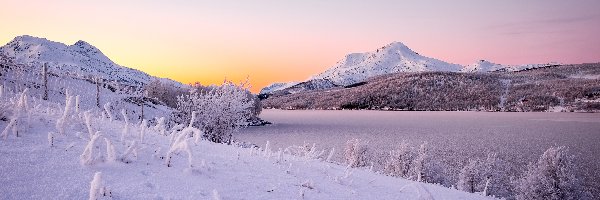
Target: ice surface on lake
point(519, 138)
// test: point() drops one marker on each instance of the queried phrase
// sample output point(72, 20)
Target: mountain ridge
point(79, 59)
point(393, 58)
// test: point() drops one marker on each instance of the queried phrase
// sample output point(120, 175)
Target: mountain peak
point(81, 58)
point(397, 46)
point(29, 39)
point(82, 43)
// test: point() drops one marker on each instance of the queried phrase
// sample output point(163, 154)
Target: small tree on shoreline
point(221, 110)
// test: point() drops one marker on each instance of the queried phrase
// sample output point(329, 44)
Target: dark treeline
point(568, 87)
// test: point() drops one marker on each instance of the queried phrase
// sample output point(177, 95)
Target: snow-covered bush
point(470, 177)
point(143, 128)
point(131, 151)
point(160, 126)
point(399, 161)
point(61, 123)
point(355, 153)
point(497, 180)
point(87, 115)
point(87, 157)
point(180, 145)
point(111, 154)
point(305, 151)
point(164, 92)
point(330, 156)
point(424, 167)
point(221, 110)
point(16, 118)
point(97, 188)
point(125, 130)
point(551, 177)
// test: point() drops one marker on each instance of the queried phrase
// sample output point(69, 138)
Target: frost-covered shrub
point(551, 177)
point(426, 168)
point(125, 130)
point(399, 161)
point(164, 92)
point(16, 118)
point(98, 189)
point(470, 177)
point(221, 110)
point(87, 115)
point(497, 179)
point(355, 153)
point(131, 153)
point(180, 145)
point(143, 128)
point(87, 157)
point(61, 123)
point(160, 126)
point(111, 153)
point(306, 151)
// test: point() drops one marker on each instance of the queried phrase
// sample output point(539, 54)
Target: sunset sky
point(281, 41)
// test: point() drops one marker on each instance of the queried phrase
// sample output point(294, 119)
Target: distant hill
point(552, 88)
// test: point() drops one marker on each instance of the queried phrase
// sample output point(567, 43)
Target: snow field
point(90, 160)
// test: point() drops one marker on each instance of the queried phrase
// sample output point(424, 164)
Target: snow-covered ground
point(43, 164)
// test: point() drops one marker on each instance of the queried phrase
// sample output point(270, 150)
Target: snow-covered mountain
point(79, 59)
point(392, 58)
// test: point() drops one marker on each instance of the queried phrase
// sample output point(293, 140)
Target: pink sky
point(280, 41)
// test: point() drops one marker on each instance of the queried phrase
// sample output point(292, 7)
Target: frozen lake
point(518, 138)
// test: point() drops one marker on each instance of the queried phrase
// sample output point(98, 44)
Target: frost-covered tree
point(221, 110)
point(355, 153)
point(551, 177)
point(495, 180)
point(164, 92)
point(487, 176)
point(399, 161)
point(470, 177)
point(423, 167)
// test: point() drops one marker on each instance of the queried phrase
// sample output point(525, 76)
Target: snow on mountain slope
point(487, 66)
point(79, 59)
point(482, 66)
point(276, 86)
point(43, 164)
point(392, 58)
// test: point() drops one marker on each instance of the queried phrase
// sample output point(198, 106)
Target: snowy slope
point(80, 59)
point(276, 86)
point(392, 58)
point(40, 165)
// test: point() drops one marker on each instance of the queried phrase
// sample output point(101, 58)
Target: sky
point(270, 41)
